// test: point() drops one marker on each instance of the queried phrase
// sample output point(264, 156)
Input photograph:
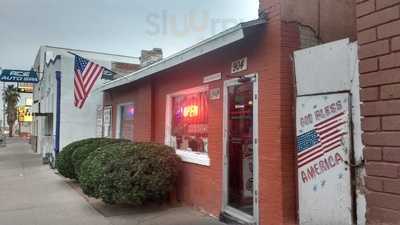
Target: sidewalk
point(32, 194)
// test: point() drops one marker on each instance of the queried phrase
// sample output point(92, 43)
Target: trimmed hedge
point(83, 151)
point(130, 173)
point(68, 161)
point(64, 163)
point(94, 166)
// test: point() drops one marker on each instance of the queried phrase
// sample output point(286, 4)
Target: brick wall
point(378, 27)
point(198, 186)
point(140, 94)
point(123, 69)
point(291, 41)
point(329, 19)
point(277, 189)
point(269, 53)
point(201, 186)
point(308, 37)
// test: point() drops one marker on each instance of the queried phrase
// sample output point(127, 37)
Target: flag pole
point(73, 54)
point(89, 60)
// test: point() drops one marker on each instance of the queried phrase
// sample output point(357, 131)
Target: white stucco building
point(74, 124)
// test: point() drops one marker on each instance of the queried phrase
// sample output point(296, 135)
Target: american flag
point(86, 75)
point(326, 136)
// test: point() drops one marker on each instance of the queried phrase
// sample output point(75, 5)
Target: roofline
point(88, 51)
point(217, 41)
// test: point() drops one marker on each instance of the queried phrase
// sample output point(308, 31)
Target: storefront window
point(127, 112)
point(189, 122)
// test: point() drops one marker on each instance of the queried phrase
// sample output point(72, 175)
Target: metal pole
point(4, 106)
point(3, 130)
point(58, 111)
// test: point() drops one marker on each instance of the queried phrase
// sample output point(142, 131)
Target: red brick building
point(226, 105)
point(378, 28)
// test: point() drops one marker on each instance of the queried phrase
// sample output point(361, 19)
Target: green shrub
point(93, 167)
point(64, 163)
point(146, 173)
point(130, 173)
point(83, 151)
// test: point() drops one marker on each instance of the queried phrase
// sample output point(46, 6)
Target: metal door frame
point(225, 207)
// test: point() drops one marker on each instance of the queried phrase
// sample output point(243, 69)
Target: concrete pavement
point(32, 194)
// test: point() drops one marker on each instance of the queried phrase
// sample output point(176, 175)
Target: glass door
point(240, 149)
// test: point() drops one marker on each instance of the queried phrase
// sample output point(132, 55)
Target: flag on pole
point(86, 75)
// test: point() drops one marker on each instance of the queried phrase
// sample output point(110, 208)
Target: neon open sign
point(191, 111)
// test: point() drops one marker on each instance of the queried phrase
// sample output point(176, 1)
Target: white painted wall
point(333, 67)
point(77, 123)
point(44, 93)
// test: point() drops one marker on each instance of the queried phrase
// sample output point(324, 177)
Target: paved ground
point(32, 194)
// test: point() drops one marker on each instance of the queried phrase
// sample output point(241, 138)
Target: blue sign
point(24, 76)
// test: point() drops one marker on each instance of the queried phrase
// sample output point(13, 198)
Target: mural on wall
point(323, 155)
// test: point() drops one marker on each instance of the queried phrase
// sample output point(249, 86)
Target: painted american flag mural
point(324, 137)
point(323, 154)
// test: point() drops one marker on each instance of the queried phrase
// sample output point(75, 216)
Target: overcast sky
point(113, 26)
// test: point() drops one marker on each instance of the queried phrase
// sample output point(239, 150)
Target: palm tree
point(11, 98)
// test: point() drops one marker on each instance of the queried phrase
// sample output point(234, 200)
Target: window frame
point(200, 158)
point(118, 120)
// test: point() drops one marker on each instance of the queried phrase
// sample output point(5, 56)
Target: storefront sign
point(215, 94)
point(20, 76)
point(99, 121)
point(107, 122)
point(212, 77)
point(29, 101)
point(191, 111)
point(25, 87)
point(24, 114)
point(239, 65)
